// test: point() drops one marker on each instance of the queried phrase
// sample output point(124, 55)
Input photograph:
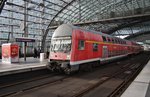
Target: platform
point(23, 66)
point(140, 87)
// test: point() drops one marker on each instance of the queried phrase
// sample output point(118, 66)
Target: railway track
point(106, 81)
point(126, 77)
point(20, 86)
point(103, 80)
point(121, 88)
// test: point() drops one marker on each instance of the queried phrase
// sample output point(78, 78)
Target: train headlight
point(68, 56)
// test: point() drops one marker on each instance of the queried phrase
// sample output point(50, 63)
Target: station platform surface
point(140, 87)
point(22, 66)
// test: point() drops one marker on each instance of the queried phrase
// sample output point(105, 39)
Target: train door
point(105, 52)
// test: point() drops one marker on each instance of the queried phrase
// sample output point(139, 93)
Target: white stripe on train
point(96, 59)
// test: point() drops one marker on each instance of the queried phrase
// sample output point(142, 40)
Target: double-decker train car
point(71, 47)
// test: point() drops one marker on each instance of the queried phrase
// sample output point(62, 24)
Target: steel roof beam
point(20, 19)
point(45, 6)
point(25, 14)
point(47, 30)
point(19, 26)
point(2, 3)
point(85, 8)
point(126, 25)
point(12, 4)
point(104, 11)
point(137, 34)
point(111, 20)
point(40, 4)
point(134, 17)
point(53, 3)
point(21, 33)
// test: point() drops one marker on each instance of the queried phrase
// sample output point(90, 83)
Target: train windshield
point(61, 45)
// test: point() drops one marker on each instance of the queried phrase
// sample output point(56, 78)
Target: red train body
point(73, 46)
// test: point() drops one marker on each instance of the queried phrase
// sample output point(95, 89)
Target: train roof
point(66, 30)
point(63, 30)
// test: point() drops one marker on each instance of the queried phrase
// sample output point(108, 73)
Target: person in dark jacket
point(35, 53)
point(47, 54)
point(38, 53)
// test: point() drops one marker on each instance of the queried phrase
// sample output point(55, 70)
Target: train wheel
point(67, 71)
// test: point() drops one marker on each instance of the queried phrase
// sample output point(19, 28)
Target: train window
point(124, 42)
point(95, 47)
point(109, 40)
point(113, 40)
point(104, 38)
point(121, 42)
point(81, 45)
point(117, 41)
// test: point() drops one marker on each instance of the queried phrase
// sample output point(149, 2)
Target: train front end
point(60, 50)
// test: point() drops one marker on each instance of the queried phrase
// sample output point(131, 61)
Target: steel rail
point(121, 88)
point(10, 93)
point(100, 82)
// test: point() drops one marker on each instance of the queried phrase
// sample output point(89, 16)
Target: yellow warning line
point(98, 42)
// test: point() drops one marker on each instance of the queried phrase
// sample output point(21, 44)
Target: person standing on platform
point(19, 52)
point(39, 51)
point(47, 54)
point(35, 53)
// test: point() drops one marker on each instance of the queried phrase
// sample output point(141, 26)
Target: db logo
point(14, 52)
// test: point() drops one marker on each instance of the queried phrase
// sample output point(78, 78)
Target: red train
point(71, 47)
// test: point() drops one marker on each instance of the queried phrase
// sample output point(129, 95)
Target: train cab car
point(60, 49)
point(71, 47)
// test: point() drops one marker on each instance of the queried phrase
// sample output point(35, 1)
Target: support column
point(25, 27)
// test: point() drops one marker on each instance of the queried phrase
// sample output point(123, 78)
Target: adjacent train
point(72, 47)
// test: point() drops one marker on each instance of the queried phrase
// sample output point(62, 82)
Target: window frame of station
point(81, 44)
point(95, 47)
